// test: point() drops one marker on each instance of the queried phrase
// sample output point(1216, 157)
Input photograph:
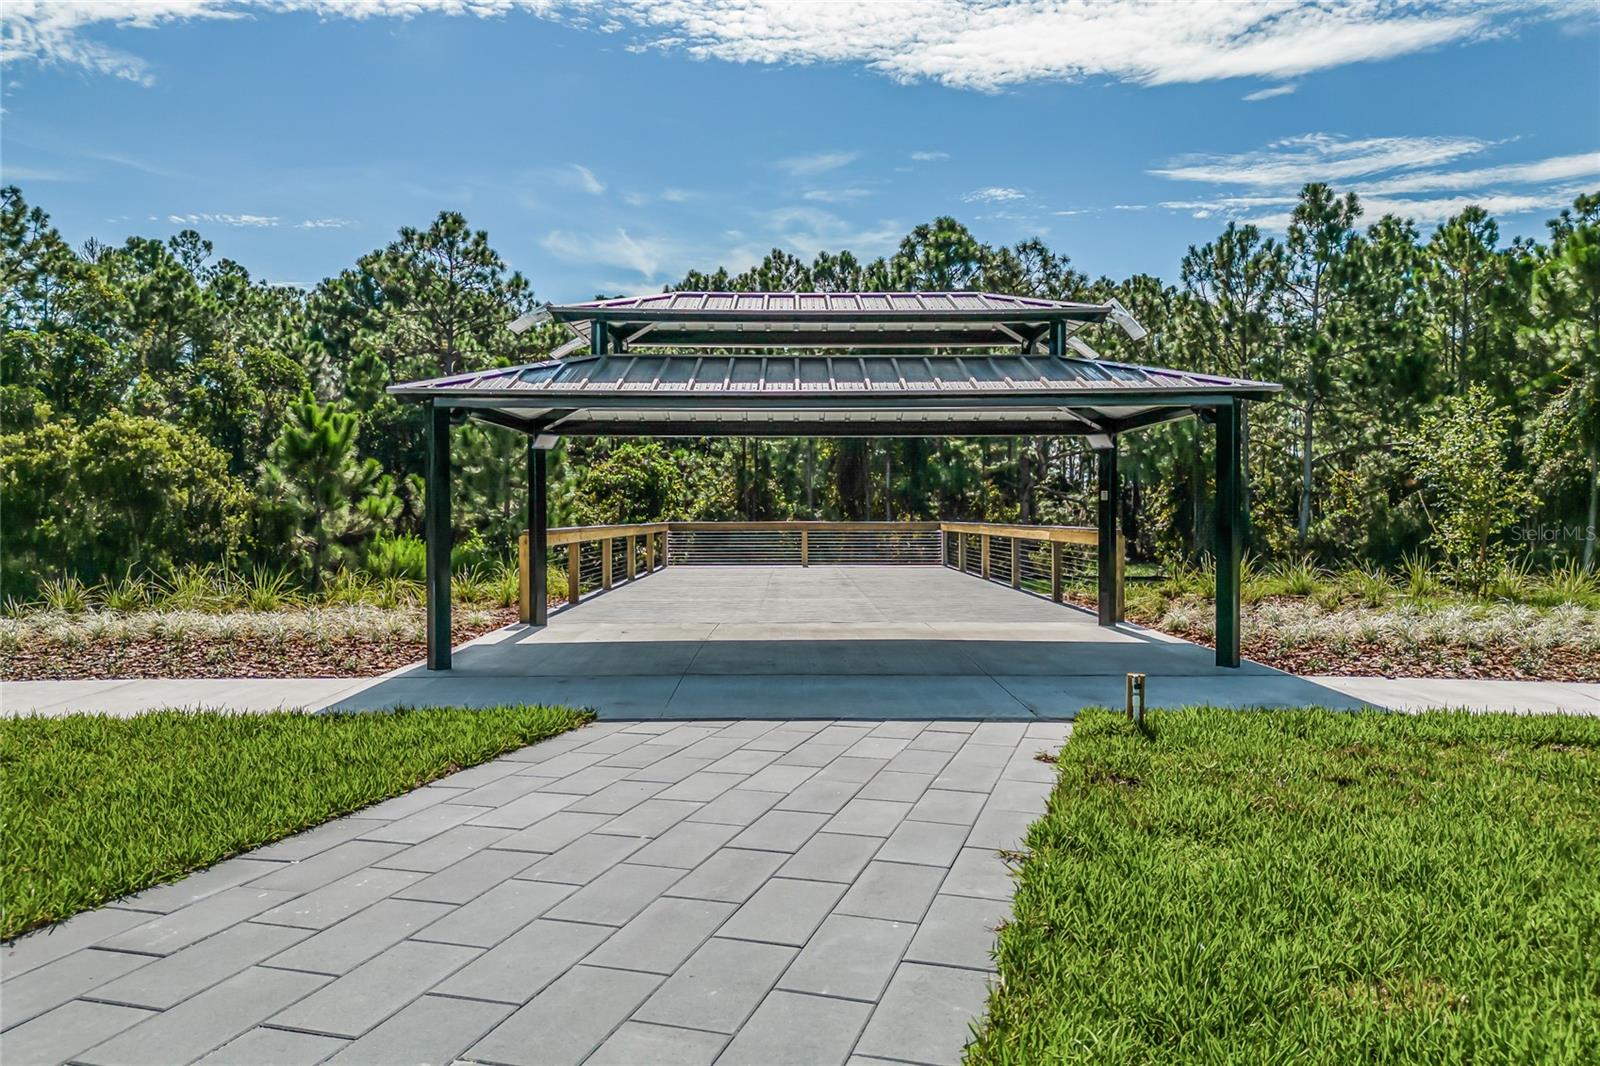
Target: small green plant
point(398, 557)
point(1420, 578)
point(65, 595)
point(1370, 588)
point(351, 587)
point(267, 590)
point(1568, 584)
point(505, 586)
point(128, 594)
point(1298, 577)
point(392, 592)
point(471, 586)
point(1513, 582)
point(193, 588)
point(555, 583)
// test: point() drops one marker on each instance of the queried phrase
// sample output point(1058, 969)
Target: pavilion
point(858, 364)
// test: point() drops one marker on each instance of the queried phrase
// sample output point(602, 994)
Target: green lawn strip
point(93, 807)
point(1309, 886)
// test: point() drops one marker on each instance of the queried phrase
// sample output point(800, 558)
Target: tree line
point(160, 407)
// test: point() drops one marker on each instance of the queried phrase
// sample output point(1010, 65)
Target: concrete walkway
point(248, 695)
point(688, 892)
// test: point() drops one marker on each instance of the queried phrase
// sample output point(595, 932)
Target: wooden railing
point(1039, 559)
point(1034, 558)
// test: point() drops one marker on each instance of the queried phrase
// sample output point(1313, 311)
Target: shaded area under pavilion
point(785, 364)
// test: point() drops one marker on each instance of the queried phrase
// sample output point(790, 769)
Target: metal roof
point(826, 319)
point(829, 394)
point(718, 389)
point(819, 375)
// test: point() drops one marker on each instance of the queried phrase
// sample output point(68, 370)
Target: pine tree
point(313, 482)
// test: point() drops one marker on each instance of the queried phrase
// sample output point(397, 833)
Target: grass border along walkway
point(1309, 887)
point(94, 807)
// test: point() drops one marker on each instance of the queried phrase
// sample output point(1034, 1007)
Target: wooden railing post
point(650, 552)
point(1016, 562)
point(961, 552)
point(983, 555)
point(1056, 548)
point(574, 573)
point(805, 547)
point(632, 556)
point(605, 564)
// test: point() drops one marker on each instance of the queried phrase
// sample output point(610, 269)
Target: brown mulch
point(193, 658)
point(1435, 661)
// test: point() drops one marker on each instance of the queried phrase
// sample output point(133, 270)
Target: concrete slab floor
point(642, 893)
point(863, 642)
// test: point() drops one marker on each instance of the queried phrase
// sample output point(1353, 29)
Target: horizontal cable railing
point(1060, 562)
point(803, 543)
point(733, 547)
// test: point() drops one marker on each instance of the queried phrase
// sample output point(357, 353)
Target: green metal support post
point(538, 536)
point(1230, 534)
point(436, 532)
point(1106, 543)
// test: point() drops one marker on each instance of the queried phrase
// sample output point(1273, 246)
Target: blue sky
point(609, 148)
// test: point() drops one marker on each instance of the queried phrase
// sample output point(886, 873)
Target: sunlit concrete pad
point(843, 696)
point(1065, 696)
point(639, 696)
point(1422, 693)
point(823, 641)
point(122, 698)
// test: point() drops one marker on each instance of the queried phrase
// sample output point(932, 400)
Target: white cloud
point(325, 223)
point(645, 256)
point(929, 157)
point(1262, 186)
point(217, 218)
point(802, 166)
point(974, 44)
point(835, 196)
point(994, 194)
point(805, 231)
point(1320, 157)
point(586, 179)
point(12, 172)
point(1556, 168)
point(1269, 92)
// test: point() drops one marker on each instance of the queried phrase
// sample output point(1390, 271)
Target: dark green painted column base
point(1230, 533)
point(436, 535)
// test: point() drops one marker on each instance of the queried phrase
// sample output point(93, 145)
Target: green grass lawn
point(1309, 887)
point(92, 808)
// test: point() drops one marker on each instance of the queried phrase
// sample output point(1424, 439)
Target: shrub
point(398, 557)
point(1298, 577)
point(65, 595)
point(128, 594)
point(1420, 578)
point(1370, 588)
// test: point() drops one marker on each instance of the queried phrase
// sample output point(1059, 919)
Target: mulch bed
point(1432, 660)
point(254, 657)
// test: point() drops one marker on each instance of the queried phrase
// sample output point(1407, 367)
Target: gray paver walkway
point(655, 892)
